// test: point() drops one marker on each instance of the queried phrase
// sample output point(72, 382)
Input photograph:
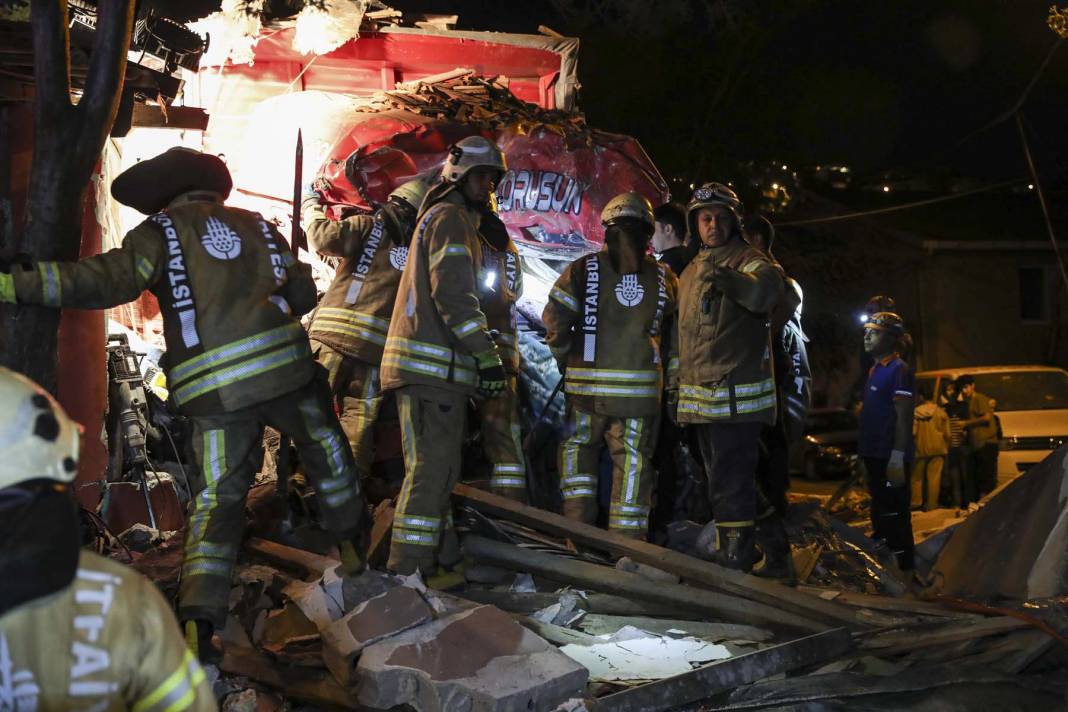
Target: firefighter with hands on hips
point(439, 353)
point(603, 321)
point(77, 630)
point(500, 283)
point(348, 330)
point(725, 384)
point(231, 294)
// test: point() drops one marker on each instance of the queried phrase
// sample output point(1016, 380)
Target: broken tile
point(477, 660)
point(395, 611)
point(634, 654)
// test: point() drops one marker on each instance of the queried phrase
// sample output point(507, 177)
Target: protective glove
point(491, 376)
point(895, 468)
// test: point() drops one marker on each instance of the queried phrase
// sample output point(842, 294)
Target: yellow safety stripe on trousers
point(51, 284)
point(601, 375)
point(241, 349)
point(450, 250)
point(508, 474)
point(329, 326)
point(178, 691)
point(597, 389)
point(408, 439)
point(625, 516)
point(575, 484)
point(634, 461)
point(564, 298)
point(241, 371)
point(203, 558)
point(144, 269)
point(212, 467)
point(342, 485)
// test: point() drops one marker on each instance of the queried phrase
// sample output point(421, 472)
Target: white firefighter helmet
point(38, 440)
point(472, 152)
point(631, 206)
point(411, 192)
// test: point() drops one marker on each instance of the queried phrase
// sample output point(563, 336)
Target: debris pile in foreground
point(551, 614)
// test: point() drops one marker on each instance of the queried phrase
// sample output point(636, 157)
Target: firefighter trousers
point(228, 450)
point(630, 444)
point(730, 452)
point(432, 422)
point(358, 395)
point(502, 442)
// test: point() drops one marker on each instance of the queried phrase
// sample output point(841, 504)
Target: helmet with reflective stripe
point(628, 206)
point(886, 321)
point(472, 152)
point(711, 194)
point(38, 440)
point(411, 192)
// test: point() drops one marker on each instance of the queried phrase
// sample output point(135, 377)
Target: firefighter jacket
point(437, 325)
point(230, 292)
point(606, 327)
point(108, 641)
point(353, 316)
point(500, 283)
point(725, 371)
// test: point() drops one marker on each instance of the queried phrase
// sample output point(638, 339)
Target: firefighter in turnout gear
point(237, 358)
point(725, 383)
point(604, 321)
point(348, 330)
point(500, 284)
point(439, 353)
point(77, 631)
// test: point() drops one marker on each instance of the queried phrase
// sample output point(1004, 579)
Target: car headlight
point(831, 451)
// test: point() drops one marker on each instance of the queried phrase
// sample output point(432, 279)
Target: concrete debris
point(478, 660)
point(395, 611)
point(565, 612)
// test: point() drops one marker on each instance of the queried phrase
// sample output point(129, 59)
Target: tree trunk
point(67, 144)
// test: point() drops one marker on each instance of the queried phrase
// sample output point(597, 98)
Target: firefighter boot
point(736, 547)
point(198, 636)
point(778, 562)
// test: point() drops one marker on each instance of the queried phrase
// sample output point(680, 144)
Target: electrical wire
point(903, 206)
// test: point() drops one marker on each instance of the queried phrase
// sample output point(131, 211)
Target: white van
point(1032, 408)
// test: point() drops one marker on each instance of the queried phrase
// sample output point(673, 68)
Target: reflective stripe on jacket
point(437, 324)
point(725, 370)
point(230, 292)
point(106, 642)
point(607, 328)
point(353, 316)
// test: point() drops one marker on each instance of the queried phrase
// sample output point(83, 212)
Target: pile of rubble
point(552, 614)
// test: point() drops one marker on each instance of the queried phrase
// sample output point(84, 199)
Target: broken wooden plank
point(599, 624)
point(581, 573)
point(287, 557)
point(889, 603)
point(381, 533)
point(723, 675)
point(175, 117)
point(688, 567)
point(606, 603)
point(911, 640)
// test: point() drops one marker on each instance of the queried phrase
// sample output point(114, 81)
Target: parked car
point(828, 444)
point(1032, 409)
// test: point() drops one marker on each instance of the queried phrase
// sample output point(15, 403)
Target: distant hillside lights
point(540, 191)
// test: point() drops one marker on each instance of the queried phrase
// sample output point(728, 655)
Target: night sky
point(879, 86)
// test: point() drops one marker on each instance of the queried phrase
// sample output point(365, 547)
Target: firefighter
point(237, 358)
point(77, 630)
point(725, 383)
point(603, 324)
point(348, 330)
point(439, 353)
point(500, 282)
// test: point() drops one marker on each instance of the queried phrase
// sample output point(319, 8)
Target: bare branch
point(51, 56)
point(107, 70)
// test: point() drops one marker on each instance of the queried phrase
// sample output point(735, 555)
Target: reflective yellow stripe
point(351, 316)
point(602, 389)
point(235, 350)
point(564, 298)
point(175, 693)
point(429, 368)
point(469, 327)
point(51, 284)
point(241, 371)
point(419, 348)
point(608, 374)
point(450, 250)
point(325, 326)
point(144, 269)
